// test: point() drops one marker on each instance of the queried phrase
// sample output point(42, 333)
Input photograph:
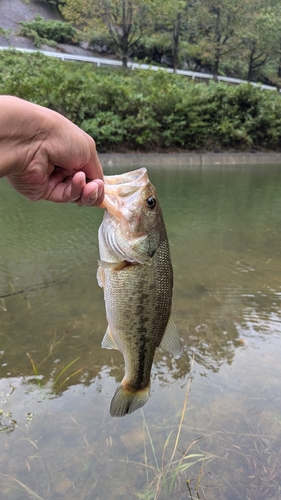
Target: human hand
point(48, 157)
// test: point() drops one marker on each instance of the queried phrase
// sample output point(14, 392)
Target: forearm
point(22, 131)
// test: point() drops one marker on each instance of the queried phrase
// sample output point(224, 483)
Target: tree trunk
point(251, 64)
point(216, 65)
point(217, 45)
point(279, 62)
point(278, 84)
point(126, 28)
point(176, 42)
point(124, 61)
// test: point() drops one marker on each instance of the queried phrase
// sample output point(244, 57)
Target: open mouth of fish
point(123, 188)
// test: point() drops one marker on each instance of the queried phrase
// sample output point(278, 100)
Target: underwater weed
point(57, 388)
point(34, 369)
point(53, 345)
point(7, 423)
point(3, 305)
point(28, 490)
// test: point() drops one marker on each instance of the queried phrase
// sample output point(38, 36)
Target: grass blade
point(66, 368)
point(26, 488)
point(35, 371)
point(150, 442)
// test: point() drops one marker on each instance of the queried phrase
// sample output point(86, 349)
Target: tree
point(125, 21)
point(218, 26)
point(261, 39)
point(170, 17)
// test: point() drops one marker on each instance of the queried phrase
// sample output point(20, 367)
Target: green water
point(56, 435)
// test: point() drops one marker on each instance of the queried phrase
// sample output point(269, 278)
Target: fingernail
point(94, 197)
point(98, 193)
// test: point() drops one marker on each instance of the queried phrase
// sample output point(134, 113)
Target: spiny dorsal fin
point(171, 340)
point(108, 341)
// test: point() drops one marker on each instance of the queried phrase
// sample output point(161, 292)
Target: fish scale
point(136, 274)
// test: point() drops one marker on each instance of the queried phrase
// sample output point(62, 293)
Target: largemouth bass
point(136, 274)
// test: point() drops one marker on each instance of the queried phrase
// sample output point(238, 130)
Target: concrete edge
point(186, 159)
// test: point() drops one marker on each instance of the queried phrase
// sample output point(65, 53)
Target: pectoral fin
point(108, 341)
point(113, 266)
point(100, 277)
point(171, 340)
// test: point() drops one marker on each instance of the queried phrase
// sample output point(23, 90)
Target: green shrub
point(106, 128)
point(4, 32)
point(146, 110)
point(41, 31)
point(244, 116)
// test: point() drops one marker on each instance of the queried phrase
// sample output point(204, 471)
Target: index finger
point(72, 150)
point(93, 168)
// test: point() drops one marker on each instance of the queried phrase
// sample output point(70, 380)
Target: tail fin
point(125, 401)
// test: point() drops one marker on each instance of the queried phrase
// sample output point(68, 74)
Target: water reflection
point(224, 232)
point(225, 239)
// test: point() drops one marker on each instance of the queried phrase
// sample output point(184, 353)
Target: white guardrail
point(133, 65)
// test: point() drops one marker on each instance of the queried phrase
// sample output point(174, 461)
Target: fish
point(136, 275)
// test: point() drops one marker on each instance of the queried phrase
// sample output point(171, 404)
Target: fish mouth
point(134, 176)
point(118, 188)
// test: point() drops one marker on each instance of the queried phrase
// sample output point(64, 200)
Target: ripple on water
point(223, 228)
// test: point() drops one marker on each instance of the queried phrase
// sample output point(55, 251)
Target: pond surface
point(56, 382)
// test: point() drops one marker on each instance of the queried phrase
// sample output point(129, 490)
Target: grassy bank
point(146, 110)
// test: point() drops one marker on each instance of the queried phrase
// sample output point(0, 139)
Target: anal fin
point(108, 341)
point(171, 340)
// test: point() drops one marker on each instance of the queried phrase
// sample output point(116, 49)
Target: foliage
point(100, 41)
point(238, 38)
point(217, 26)
point(123, 21)
point(41, 31)
point(146, 110)
point(106, 127)
point(4, 32)
point(155, 48)
point(172, 20)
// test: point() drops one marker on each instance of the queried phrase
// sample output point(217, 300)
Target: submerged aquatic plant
point(23, 486)
point(58, 382)
point(57, 386)
point(7, 423)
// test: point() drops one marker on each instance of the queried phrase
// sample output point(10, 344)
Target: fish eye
point(151, 202)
